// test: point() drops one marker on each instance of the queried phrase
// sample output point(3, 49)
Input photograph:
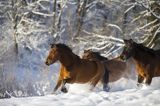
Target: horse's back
point(88, 64)
point(115, 65)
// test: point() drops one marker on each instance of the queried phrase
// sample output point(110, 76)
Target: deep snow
point(123, 93)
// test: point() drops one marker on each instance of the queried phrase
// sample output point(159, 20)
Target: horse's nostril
point(46, 63)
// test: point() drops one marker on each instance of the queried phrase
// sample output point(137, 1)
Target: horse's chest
point(143, 69)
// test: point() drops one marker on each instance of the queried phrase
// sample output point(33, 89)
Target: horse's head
point(53, 55)
point(129, 49)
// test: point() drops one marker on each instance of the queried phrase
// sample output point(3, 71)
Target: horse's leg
point(148, 80)
point(94, 83)
point(59, 82)
point(99, 75)
point(140, 80)
point(63, 88)
point(106, 80)
point(95, 80)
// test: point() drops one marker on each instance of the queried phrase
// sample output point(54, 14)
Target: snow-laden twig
point(140, 28)
point(115, 26)
point(153, 27)
point(144, 38)
point(131, 7)
point(114, 51)
point(152, 22)
point(142, 14)
point(99, 48)
point(104, 37)
point(111, 49)
point(42, 14)
point(148, 8)
point(135, 19)
point(154, 36)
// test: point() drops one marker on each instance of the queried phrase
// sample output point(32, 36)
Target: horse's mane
point(99, 56)
point(67, 48)
point(143, 48)
point(63, 46)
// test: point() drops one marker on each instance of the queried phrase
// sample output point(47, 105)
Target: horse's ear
point(125, 41)
point(85, 50)
point(88, 50)
point(128, 42)
point(53, 45)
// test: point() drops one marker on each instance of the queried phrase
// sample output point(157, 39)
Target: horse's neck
point(140, 56)
point(68, 60)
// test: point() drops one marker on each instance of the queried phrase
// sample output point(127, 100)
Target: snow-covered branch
point(42, 14)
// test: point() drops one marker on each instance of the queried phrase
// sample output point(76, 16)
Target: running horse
point(73, 68)
point(146, 60)
point(116, 68)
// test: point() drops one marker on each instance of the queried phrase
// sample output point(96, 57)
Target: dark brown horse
point(73, 68)
point(147, 60)
point(116, 68)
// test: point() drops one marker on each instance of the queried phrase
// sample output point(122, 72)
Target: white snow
point(123, 93)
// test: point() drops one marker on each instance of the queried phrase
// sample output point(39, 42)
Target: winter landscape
point(29, 27)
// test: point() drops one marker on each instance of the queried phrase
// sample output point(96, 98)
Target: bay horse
point(73, 68)
point(147, 61)
point(116, 68)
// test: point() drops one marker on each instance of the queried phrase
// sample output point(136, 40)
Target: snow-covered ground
point(123, 93)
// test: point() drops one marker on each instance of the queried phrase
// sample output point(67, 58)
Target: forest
point(28, 27)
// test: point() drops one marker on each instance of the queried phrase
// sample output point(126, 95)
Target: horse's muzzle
point(47, 63)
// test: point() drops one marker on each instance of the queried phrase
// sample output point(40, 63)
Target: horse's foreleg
point(148, 80)
point(59, 82)
point(64, 81)
point(63, 88)
point(140, 80)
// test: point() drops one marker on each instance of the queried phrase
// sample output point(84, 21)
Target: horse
point(146, 61)
point(73, 68)
point(116, 68)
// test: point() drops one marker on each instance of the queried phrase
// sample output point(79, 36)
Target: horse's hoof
point(64, 90)
point(106, 89)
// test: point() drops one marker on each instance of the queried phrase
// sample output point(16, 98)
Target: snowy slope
point(123, 93)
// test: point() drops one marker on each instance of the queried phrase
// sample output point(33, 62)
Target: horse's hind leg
point(140, 80)
point(95, 80)
point(106, 87)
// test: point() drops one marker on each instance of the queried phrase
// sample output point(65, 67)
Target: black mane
point(142, 47)
point(63, 46)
